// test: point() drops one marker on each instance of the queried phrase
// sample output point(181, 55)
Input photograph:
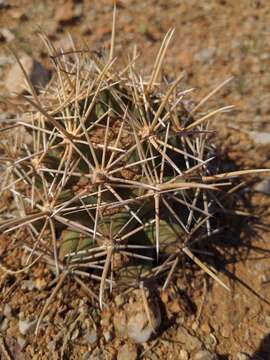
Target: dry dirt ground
point(213, 40)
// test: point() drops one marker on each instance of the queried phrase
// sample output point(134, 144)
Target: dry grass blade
point(159, 59)
point(111, 56)
point(207, 116)
point(204, 267)
point(26, 268)
point(233, 174)
point(213, 92)
point(165, 101)
point(105, 273)
point(60, 282)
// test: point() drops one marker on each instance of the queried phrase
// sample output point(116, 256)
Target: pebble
point(6, 35)
point(86, 355)
point(107, 335)
point(27, 285)
point(7, 311)
point(15, 81)
point(4, 325)
point(211, 341)
point(40, 283)
point(265, 56)
point(139, 328)
point(91, 337)
point(189, 341)
point(205, 55)
point(206, 327)
point(19, 14)
point(75, 334)
point(174, 307)
point(242, 356)
point(260, 138)
point(204, 355)
point(183, 355)
point(97, 354)
point(3, 4)
point(263, 187)
point(21, 341)
point(225, 331)
point(133, 322)
point(4, 60)
point(67, 13)
point(120, 322)
point(26, 326)
point(119, 300)
point(127, 351)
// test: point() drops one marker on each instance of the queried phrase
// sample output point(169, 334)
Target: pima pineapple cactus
point(113, 181)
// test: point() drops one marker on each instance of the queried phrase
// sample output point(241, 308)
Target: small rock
point(97, 354)
point(27, 285)
point(174, 306)
point(107, 335)
point(133, 321)
point(138, 328)
point(40, 283)
point(242, 356)
point(14, 349)
point(4, 60)
point(52, 345)
point(7, 311)
point(225, 331)
point(75, 334)
point(206, 327)
point(263, 187)
point(265, 56)
point(127, 351)
point(26, 326)
point(90, 337)
point(3, 4)
point(164, 296)
point(86, 356)
point(19, 15)
point(195, 325)
point(210, 342)
point(6, 35)
point(15, 81)
point(183, 355)
point(63, 44)
point(119, 300)
point(204, 355)
point(180, 320)
point(260, 138)
point(153, 355)
point(66, 13)
point(120, 322)
point(78, 10)
point(105, 318)
point(22, 342)
point(4, 325)
point(189, 341)
point(205, 55)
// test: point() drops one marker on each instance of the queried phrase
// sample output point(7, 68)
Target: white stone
point(15, 81)
point(26, 326)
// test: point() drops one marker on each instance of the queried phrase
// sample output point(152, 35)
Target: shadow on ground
point(263, 352)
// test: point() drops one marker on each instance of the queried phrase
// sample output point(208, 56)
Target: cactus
point(115, 182)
